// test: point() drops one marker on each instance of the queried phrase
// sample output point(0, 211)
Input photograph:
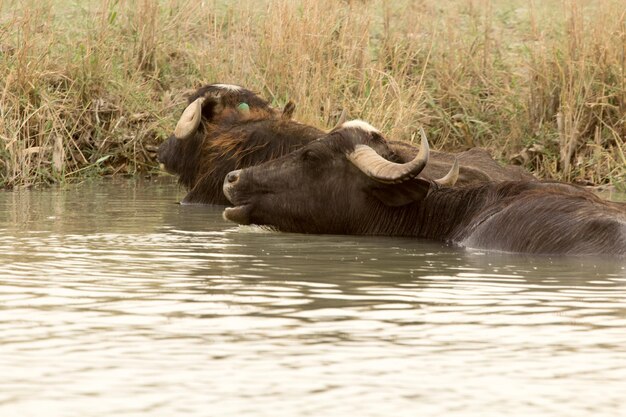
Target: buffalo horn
point(190, 120)
point(451, 177)
point(378, 168)
point(342, 118)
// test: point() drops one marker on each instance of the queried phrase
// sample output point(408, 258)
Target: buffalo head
point(224, 104)
point(330, 185)
point(209, 106)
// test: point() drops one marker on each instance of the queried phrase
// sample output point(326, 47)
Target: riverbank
point(93, 90)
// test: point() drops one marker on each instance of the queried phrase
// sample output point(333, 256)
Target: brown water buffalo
point(344, 183)
point(227, 127)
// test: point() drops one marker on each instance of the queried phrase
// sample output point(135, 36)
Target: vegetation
point(93, 89)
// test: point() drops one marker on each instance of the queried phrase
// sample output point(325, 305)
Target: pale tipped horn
point(342, 118)
point(451, 177)
point(378, 168)
point(190, 120)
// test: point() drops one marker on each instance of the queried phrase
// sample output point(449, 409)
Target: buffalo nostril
point(232, 177)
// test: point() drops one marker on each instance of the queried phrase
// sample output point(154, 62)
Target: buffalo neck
point(442, 215)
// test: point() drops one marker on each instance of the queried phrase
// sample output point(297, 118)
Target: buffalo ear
point(288, 110)
point(406, 192)
point(212, 106)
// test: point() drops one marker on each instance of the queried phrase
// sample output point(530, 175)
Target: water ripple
point(114, 301)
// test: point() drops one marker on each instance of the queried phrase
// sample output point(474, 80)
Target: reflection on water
point(116, 301)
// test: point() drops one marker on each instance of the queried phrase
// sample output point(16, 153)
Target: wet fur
point(327, 194)
point(529, 217)
point(227, 148)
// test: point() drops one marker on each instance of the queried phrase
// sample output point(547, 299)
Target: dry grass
point(92, 90)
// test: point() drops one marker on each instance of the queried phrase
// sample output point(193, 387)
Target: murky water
point(114, 301)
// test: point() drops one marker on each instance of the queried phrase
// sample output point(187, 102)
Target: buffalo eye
point(377, 137)
point(308, 155)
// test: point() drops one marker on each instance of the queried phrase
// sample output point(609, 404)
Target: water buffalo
point(343, 183)
point(227, 127)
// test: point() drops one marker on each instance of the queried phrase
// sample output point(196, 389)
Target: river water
point(115, 301)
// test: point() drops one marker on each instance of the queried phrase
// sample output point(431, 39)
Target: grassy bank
point(93, 89)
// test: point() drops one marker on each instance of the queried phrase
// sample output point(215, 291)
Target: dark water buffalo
point(226, 127)
point(214, 153)
point(344, 183)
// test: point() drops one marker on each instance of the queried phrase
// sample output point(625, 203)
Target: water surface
point(115, 301)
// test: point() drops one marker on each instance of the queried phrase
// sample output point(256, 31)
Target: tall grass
point(93, 89)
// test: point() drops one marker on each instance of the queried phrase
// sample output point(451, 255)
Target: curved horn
point(189, 120)
point(378, 168)
point(342, 118)
point(451, 177)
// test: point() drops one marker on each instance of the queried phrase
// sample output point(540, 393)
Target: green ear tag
point(243, 107)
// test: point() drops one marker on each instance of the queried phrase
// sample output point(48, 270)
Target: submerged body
point(341, 184)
